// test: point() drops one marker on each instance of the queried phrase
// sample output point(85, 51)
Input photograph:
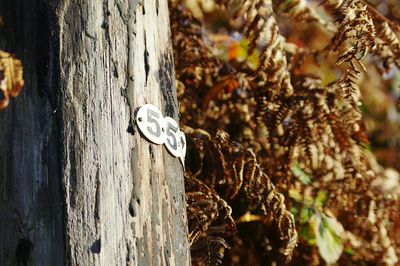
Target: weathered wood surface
point(30, 178)
point(123, 198)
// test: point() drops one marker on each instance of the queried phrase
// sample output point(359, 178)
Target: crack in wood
point(73, 179)
point(131, 207)
point(146, 58)
point(167, 86)
point(106, 23)
point(131, 50)
point(97, 197)
point(129, 258)
point(157, 6)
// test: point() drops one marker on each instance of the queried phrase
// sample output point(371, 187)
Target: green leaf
point(295, 194)
point(305, 215)
point(321, 197)
point(294, 210)
point(308, 234)
point(349, 251)
point(368, 147)
point(328, 235)
point(300, 174)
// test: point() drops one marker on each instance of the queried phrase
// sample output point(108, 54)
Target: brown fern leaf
point(206, 164)
point(11, 80)
point(210, 221)
point(389, 37)
point(338, 131)
point(232, 158)
point(260, 28)
point(301, 10)
point(195, 62)
point(241, 172)
point(347, 87)
point(356, 31)
point(4, 100)
point(272, 69)
point(387, 46)
point(361, 28)
point(209, 250)
point(261, 193)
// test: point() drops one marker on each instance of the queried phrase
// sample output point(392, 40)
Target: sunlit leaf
point(248, 217)
point(328, 236)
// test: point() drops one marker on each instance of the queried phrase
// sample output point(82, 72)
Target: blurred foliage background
point(336, 170)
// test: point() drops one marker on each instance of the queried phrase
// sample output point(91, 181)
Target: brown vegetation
point(271, 96)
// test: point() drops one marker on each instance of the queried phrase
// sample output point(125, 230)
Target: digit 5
point(172, 133)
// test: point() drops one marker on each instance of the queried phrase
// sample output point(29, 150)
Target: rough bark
point(99, 193)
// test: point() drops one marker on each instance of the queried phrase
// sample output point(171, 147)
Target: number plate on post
point(161, 130)
point(182, 146)
point(172, 136)
point(151, 123)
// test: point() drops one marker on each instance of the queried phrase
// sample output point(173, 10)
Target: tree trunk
point(85, 186)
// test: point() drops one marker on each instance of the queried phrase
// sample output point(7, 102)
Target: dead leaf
point(11, 77)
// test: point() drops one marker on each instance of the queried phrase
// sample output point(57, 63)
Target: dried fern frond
point(209, 250)
point(347, 86)
point(259, 26)
point(199, 66)
point(261, 193)
point(11, 80)
point(273, 66)
point(301, 10)
point(299, 119)
point(241, 172)
point(387, 46)
point(361, 28)
point(356, 32)
point(210, 221)
point(272, 73)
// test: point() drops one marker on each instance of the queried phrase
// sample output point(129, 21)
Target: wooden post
point(73, 165)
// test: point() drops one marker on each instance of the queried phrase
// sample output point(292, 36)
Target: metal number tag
point(182, 147)
point(151, 123)
point(161, 130)
point(172, 136)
